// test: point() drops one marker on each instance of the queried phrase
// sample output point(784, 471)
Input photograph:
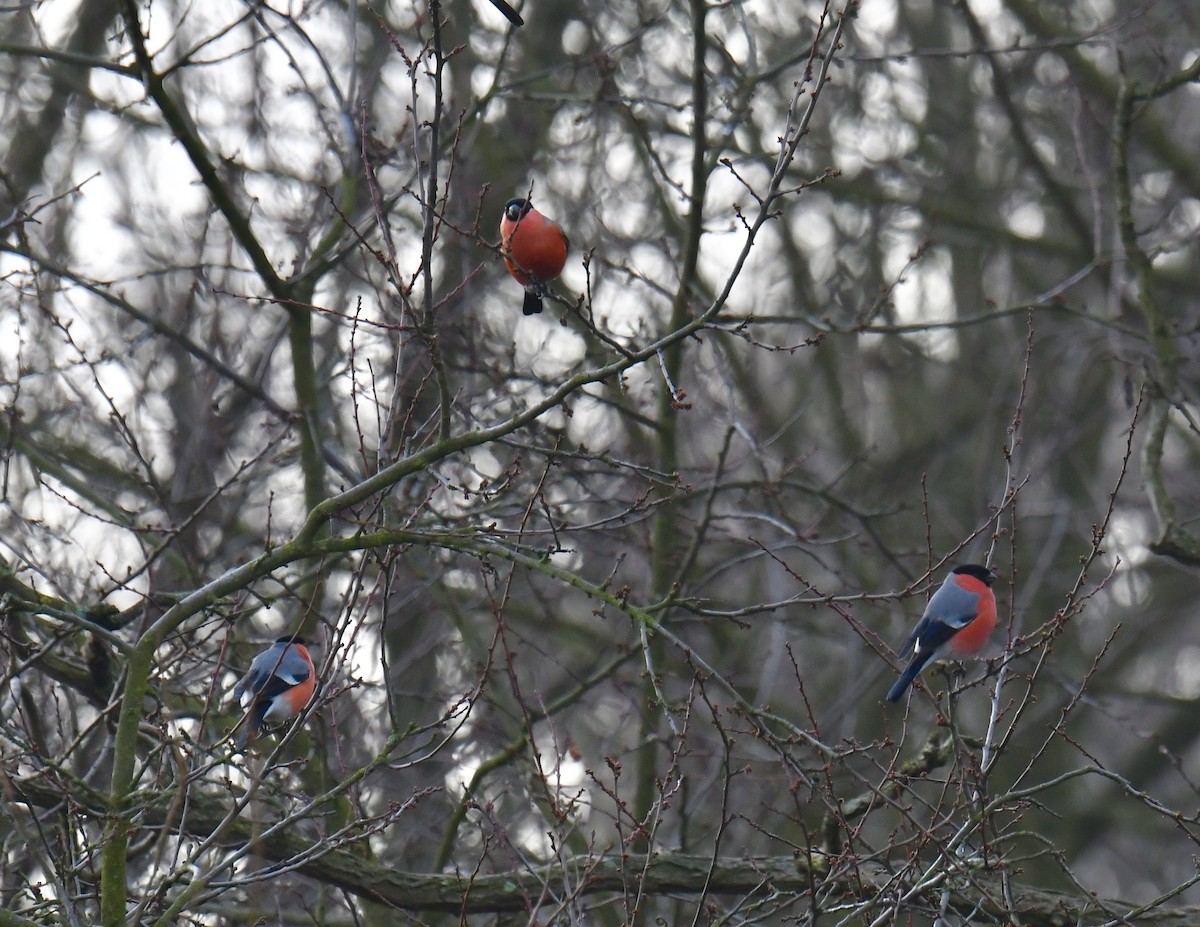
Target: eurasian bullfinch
point(959, 618)
point(534, 249)
point(278, 685)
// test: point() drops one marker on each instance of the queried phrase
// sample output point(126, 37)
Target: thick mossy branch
point(629, 874)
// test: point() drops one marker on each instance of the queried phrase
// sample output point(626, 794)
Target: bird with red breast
point(958, 621)
point(277, 687)
point(534, 250)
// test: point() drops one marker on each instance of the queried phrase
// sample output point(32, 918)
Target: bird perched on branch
point(277, 687)
point(958, 620)
point(534, 249)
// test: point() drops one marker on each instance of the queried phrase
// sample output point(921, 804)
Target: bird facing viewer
point(534, 249)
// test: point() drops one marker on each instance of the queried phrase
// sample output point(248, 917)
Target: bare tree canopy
point(604, 601)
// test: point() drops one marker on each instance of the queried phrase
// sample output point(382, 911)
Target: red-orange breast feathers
point(534, 249)
point(970, 639)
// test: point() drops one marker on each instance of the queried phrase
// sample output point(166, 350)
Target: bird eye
point(515, 209)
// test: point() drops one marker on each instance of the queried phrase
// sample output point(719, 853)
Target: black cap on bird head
point(291, 639)
point(514, 209)
point(981, 573)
